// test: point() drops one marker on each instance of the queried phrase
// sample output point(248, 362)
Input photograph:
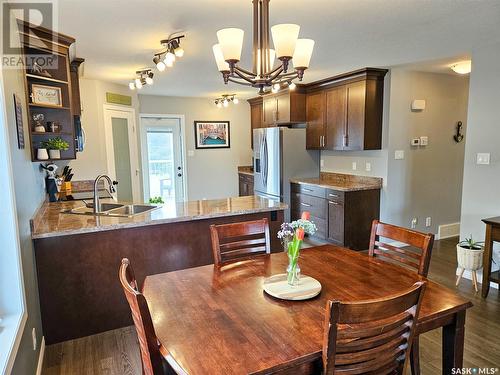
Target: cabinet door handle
point(306, 189)
point(305, 204)
point(320, 141)
point(335, 203)
point(333, 195)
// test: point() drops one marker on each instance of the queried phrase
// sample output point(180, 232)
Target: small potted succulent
point(55, 145)
point(470, 254)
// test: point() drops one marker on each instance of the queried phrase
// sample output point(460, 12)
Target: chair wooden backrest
point(371, 336)
point(152, 363)
point(417, 255)
point(236, 241)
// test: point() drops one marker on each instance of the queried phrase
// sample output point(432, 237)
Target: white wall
point(210, 173)
point(480, 198)
point(428, 181)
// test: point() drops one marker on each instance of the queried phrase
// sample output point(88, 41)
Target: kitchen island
point(78, 256)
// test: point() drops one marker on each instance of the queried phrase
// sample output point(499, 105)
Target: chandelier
point(288, 49)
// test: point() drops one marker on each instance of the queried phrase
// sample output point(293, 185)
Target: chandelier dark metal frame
point(262, 75)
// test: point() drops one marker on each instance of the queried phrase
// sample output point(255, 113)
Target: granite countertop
point(49, 221)
point(248, 169)
point(342, 182)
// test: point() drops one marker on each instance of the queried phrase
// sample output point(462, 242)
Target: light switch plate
point(483, 158)
point(424, 140)
point(190, 153)
point(399, 154)
point(354, 166)
point(321, 162)
point(368, 167)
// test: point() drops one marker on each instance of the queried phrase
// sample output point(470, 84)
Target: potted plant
point(55, 145)
point(470, 258)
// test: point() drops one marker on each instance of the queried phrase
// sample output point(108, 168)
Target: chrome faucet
point(111, 189)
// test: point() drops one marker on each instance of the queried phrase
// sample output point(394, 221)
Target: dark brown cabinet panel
point(352, 113)
point(245, 184)
point(269, 109)
point(341, 217)
point(335, 117)
point(336, 222)
point(255, 116)
point(315, 116)
point(283, 107)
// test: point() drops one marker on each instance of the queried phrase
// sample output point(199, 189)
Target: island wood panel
point(80, 293)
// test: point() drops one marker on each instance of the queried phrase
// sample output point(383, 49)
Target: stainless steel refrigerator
point(279, 155)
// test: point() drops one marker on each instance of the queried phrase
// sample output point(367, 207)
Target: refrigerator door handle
point(266, 163)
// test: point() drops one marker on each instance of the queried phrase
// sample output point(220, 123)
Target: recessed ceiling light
point(462, 67)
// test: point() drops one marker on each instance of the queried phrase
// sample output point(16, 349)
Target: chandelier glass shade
point(287, 48)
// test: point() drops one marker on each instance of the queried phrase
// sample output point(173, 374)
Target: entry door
point(162, 159)
point(121, 152)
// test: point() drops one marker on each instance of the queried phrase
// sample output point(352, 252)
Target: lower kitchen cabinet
point(245, 184)
point(341, 217)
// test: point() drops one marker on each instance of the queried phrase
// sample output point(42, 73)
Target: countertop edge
point(111, 227)
point(336, 187)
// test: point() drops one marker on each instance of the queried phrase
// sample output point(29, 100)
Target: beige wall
point(210, 173)
point(428, 181)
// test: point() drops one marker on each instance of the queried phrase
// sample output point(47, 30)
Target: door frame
point(129, 114)
point(182, 134)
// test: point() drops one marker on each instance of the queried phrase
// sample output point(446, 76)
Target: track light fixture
point(224, 100)
point(143, 77)
point(167, 57)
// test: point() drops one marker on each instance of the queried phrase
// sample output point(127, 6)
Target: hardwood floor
point(117, 352)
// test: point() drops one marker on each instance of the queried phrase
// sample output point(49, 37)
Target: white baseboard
point(40, 357)
point(448, 230)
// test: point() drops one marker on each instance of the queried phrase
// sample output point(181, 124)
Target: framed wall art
point(211, 134)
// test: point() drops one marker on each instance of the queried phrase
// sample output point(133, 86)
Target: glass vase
point(293, 271)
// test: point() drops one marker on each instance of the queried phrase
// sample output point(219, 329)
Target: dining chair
point(155, 358)
point(237, 241)
point(373, 336)
point(416, 255)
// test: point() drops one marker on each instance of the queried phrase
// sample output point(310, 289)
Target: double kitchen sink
point(112, 209)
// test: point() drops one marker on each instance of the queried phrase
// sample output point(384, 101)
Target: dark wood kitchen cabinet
point(315, 115)
point(284, 108)
point(245, 184)
point(345, 112)
point(255, 116)
point(341, 217)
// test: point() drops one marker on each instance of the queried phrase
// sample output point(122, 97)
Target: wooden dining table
point(220, 321)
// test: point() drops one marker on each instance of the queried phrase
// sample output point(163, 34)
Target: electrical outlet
point(399, 154)
point(428, 221)
point(368, 167)
point(354, 166)
point(190, 153)
point(33, 336)
point(322, 163)
point(414, 222)
point(483, 158)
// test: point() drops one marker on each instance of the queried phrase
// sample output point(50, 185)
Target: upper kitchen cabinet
point(345, 112)
point(255, 115)
point(284, 108)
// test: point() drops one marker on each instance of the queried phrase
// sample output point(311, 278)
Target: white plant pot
point(55, 154)
point(468, 259)
point(41, 154)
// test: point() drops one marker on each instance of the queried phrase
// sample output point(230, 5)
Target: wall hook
point(459, 137)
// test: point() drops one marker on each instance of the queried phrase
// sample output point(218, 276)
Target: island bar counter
point(78, 257)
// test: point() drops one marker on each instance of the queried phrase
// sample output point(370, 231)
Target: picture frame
point(212, 134)
point(18, 109)
point(46, 95)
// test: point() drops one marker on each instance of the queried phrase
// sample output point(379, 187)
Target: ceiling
point(116, 37)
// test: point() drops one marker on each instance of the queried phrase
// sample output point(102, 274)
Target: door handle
point(179, 174)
